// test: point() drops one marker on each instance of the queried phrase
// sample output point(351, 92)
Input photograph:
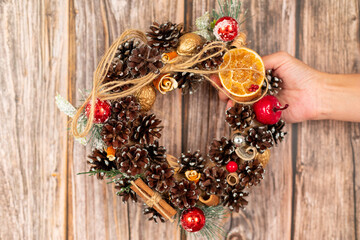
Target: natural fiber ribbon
point(178, 64)
point(153, 201)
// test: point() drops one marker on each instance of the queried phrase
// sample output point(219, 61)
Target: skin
point(311, 94)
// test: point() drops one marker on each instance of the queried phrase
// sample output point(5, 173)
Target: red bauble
point(226, 29)
point(268, 110)
point(102, 111)
point(231, 167)
point(193, 219)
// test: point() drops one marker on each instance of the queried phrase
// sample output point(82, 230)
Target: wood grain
point(325, 177)
point(33, 69)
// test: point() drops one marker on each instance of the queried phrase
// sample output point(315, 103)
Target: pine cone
point(156, 153)
point(126, 109)
point(132, 160)
point(144, 60)
point(260, 137)
point(275, 84)
point(250, 173)
point(188, 82)
point(160, 177)
point(213, 181)
point(146, 129)
point(99, 161)
point(164, 37)
point(184, 194)
point(115, 133)
point(154, 215)
point(222, 152)
point(123, 185)
point(191, 161)
point(212, 63)
point(235, 198)
point(240, 116)
point(276, 131)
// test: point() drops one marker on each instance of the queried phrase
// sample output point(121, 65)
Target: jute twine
point(153, 201)
point(179, 64)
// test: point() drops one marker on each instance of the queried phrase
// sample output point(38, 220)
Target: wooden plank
point(33, 67)
point(97, 213)
point(355, 146)
point(324, 194)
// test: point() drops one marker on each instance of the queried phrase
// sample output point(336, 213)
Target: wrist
point(325, 101)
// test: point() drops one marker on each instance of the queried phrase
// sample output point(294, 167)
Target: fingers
point(229, 104)
point(276, 60)
point(216, 81)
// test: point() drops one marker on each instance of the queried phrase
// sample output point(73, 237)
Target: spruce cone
point(188, 82)
point(126, 109)
point(191, 161)
point(99, 161)
point(154, 215)
point(212, 63)
point(184, 194)
point(144, 60)
point(160, 177)
point(240, 116)
point(213, 181)
point(156, 153)
point(146, 129)
point(132, 160)
point(123, 185)
point(276, 131)
point(260, 137)
point(164, 37)
point(275, 84)
point(115, 133)
point(250, 173)
point(222, 152)
point(235, 198)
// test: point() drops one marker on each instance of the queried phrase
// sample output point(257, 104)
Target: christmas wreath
point(115, 120)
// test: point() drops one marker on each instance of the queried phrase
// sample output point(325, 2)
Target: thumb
point(276, 60)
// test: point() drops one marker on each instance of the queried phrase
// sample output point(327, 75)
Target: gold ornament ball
point(146, 97)
point(263, 157)
point(188, 43)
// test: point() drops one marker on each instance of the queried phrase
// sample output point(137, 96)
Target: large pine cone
point(164, 37)
point(144, 60)
point(154, 215)
point(115, 133)
point(188, 82)
point(156, 153)
point(275, 84)
point(98, 161)
point(126, 109)
point(147, 129)
point(235, 198)
point(132, 160)
point(240, 116)
point(260, 137)
point(184, 194)
point(276, 131)
point(191, 161)
point(123, 185)
point(213, 181)
point(160, 177)
point(222, 152)
point(250, 173)
point(213, 62)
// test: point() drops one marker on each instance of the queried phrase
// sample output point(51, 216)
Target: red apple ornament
point(102, 111)
point(193, 219)
point(226, 29)
point(231, 166)
point(268, 110)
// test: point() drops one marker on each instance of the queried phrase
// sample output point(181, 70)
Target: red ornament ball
point(231, 167)
point(102, 111)
point(226, 29)
point(193, 219)
point(268, 110)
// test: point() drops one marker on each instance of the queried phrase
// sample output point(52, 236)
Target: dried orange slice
point(245, 83)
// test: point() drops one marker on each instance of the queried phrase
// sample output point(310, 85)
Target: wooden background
point(312, 184)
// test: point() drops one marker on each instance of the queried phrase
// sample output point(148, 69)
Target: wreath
point(115, 120)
